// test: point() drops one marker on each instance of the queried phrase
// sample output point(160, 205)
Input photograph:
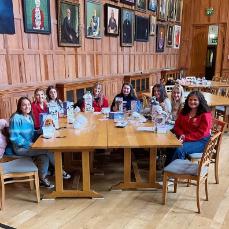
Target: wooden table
point(213, 84)
point(129, 138)
point(95, 137)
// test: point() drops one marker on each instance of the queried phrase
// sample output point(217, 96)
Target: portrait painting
point(169, 36)
point(93, 19)
point(162, 10)
point(36, 15)
point(152, 5)
point(160, 38)
point(152, 25)
point(171, 10)
point(6, 17)
point(140, 5)
point(141, 28)
point(68, 23)
point(178, 10)
point(112, 20)
point(129, 2)
point(176, 36)
point(127, 27)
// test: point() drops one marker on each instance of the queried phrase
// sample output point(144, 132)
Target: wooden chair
point(18, 170)
point(185, 169)
point(217, 126)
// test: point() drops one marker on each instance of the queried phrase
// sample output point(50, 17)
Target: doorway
point(207, 57)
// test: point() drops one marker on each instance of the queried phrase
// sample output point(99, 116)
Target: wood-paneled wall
point(194, 16)
point(31, 60)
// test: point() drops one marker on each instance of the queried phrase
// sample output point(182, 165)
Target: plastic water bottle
point(88, 102)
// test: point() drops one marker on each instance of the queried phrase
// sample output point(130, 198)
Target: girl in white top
point(162, 97)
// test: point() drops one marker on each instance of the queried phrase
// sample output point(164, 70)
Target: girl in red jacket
point(99, 100)
point(193, 126)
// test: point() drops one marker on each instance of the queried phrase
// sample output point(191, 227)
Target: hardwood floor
point(123, 209)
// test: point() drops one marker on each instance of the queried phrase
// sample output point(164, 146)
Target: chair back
point(208, 152)
point(218, 126)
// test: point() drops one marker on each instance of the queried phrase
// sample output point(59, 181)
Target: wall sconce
point(209, 11)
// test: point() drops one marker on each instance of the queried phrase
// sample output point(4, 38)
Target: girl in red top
point(193, 126)
point(38, 106)
point(99, 100)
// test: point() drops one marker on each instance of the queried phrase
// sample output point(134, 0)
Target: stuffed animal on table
point(49, 122)
point(3, 140)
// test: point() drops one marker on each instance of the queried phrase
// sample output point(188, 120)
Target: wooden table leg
point(86, 192)
point(128, 184)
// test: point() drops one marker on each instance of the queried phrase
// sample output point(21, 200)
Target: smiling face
point(176, 95)
point(193, 102)
point(157, 93)
point(40, 96)
point(126, 90)
point(53, 94)
point(25, 107)
point(97, 90)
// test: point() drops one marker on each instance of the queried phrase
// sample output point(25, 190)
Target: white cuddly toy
point(3, 141)
point(158, 115)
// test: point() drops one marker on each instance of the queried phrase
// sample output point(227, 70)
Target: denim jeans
point(41, 159)
point(189, 148)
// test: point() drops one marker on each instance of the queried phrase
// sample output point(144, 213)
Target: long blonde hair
point(100, 96)
point(177, 105)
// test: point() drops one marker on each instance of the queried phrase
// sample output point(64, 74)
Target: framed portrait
point(68, 23)
point(152, 5)
point(112, 15)
point(160, 38)
point(140, 5)
point(6, 17)
point(129, 2)
point(162, 10)
point(36, 15)
point(176, 36)
point(93, 19)
point(171, 10)
point(141, 28)
point(169, 36)
point(178, 10)
point(152, 25)
point(127, 27)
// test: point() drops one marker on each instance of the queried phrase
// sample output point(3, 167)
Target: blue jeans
point(189, 148)
point(41, 159)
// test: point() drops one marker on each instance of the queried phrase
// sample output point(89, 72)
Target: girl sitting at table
point(53, 100)
point(99, 100)
point(177, 97)
point(192, 126)
point(21, 129)
point(127, 94)
point(38, 106)
point(161, 96)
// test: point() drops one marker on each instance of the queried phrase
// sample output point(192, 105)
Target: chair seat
point(220, 108)
point(195, 156)
point(184, 167)
point(22, 165)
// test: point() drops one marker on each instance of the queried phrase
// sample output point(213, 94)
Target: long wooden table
point(129, 138)
point(94, 137)
point(198, 86)
point(103, 134)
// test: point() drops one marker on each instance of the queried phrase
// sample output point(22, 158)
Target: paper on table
point(146, 128)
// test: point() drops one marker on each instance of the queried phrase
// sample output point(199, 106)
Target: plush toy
point(49, 122)
point(3, 140)
point(158, 115)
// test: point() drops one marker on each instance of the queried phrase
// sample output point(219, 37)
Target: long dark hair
point(132, 93)
point(163, 94)
point(18, 111)
point(49, 97)
point(203, 106)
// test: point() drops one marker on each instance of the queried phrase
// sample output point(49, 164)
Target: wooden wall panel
point(36, 59)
